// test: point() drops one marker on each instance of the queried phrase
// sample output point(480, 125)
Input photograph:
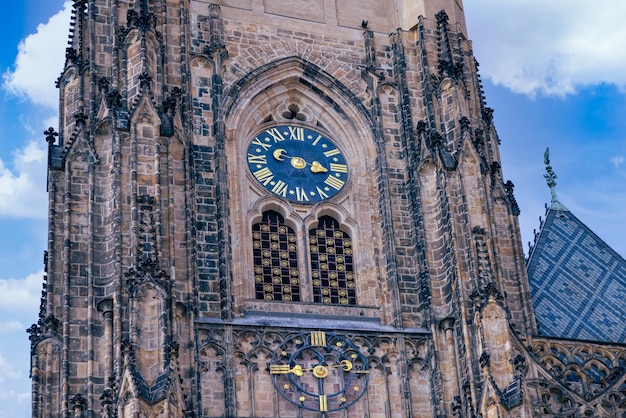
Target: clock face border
point(297, 163)
point(303, 363)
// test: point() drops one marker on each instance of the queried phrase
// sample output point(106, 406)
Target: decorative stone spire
point(550, 176)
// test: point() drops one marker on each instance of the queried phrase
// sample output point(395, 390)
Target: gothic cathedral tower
point(278, 208)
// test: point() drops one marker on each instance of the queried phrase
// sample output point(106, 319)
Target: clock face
point(319, 371)
point(297, 163)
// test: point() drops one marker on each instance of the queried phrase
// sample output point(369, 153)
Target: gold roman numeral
point(339, 168)
point(295, 133)
point(258, 142)
point(280, 369)
point(321, 193)
point(257, 159)
point(264, 175)
point(318, 338)
point(317, 140)
point(334, 182)
point(323, 403)
point(301, 194)
point(280, 188)
point(275, 134)
point(331, 152)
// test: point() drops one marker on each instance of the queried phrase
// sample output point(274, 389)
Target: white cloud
point(39, 62)
point(617, 161)
point(51, 121)
point(6, 371)
point(20, 296)
point(11, 391)
point(19, 302)
point(22, 188)
point(10, 326)
point(552, 48)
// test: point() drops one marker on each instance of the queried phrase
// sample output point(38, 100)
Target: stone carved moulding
point(580, 378)
point(392, 361)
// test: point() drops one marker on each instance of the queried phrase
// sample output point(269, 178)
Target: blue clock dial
point(320, 372)
point(298, 164)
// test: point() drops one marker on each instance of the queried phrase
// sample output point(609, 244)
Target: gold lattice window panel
point(275, 259)
point(332, 270)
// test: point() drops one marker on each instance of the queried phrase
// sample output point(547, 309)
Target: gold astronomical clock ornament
point(297, 163)
point(318, 371)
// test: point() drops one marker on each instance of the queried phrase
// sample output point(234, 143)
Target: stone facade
point(149, 306)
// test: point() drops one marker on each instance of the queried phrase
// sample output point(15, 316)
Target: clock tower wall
point(384, 16)
point(283, 93)
point(246, 178)
point(246, 45)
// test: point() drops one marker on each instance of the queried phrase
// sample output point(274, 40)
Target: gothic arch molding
point(267, 94)
point(308, 75)
point(335, 211)
point(294, 91)
point(271, 203)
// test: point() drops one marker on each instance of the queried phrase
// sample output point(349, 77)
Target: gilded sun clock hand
point(297, 163)
point(319, 371)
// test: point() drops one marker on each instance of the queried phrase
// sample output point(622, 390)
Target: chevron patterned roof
point(577, 282)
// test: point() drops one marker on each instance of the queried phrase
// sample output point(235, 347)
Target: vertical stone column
point(448, 361)
point(106, 307)
point(34, 374)
point(78, 404)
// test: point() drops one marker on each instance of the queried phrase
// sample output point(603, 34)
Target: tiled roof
point(577, 282)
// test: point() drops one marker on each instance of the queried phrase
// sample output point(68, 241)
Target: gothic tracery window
point(332, 270)
point(276, 272)
point(275, 259)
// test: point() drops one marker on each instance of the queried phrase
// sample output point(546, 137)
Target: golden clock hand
point(280, 154)
point(346, 365)
point(318, 168)
point(286, 369)
point(320, 371)
point(298, 162)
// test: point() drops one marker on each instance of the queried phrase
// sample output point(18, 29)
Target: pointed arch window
point(332, 269)
point(275, 259)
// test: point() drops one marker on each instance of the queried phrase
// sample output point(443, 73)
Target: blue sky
point(555, 73)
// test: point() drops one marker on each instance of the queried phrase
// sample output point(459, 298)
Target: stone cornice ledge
point(311, 321)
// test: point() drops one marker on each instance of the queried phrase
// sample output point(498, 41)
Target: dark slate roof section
point(577, 282)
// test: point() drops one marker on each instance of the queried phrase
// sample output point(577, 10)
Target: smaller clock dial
point(297, 163)
point(320, 372)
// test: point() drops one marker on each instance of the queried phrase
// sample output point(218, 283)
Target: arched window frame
point(331, 263)
point(301, 228)
point(275, 256)
point(263, 97)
